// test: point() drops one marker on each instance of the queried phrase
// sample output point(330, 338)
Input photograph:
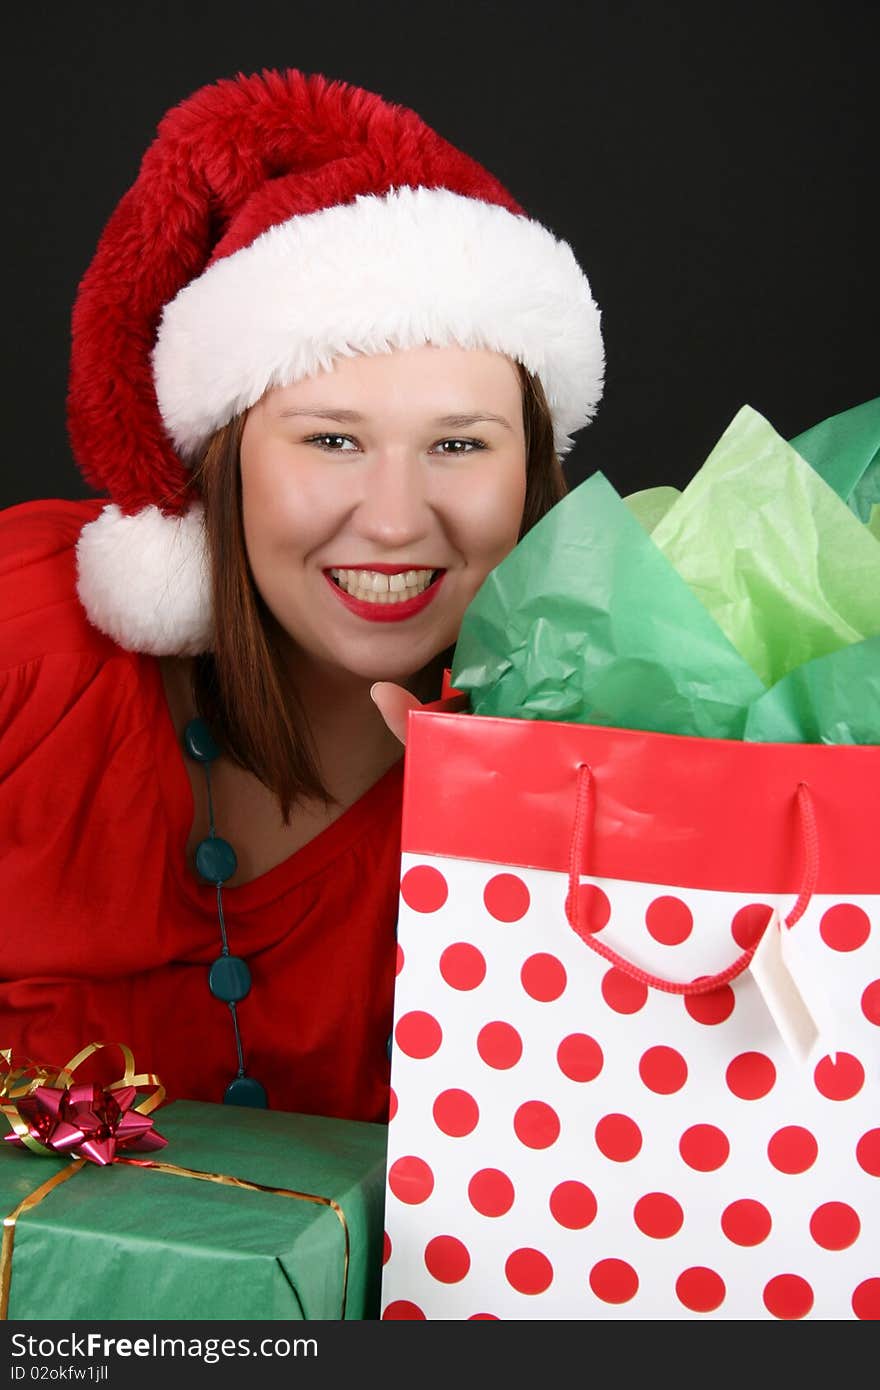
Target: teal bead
point(199, 742)
point(244, 1090)
point(229, 979)
point(215, 859)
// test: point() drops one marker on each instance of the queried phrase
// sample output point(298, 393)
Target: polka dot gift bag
point(594, 1113)
point(636, 1046)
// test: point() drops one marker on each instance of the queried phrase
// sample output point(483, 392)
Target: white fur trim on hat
point(414, 266)
point(144, 580)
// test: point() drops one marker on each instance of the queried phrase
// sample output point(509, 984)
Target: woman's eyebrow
point(461, 422)
point(353, 417)
point(342, 417)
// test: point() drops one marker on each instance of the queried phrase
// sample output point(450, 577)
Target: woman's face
point(362, 482)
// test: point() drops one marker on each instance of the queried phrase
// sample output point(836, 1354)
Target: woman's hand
point(394, 703)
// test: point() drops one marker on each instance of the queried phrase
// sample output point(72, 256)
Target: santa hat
point(279, 221)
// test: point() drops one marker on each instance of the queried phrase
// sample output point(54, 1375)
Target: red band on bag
point(683, 812)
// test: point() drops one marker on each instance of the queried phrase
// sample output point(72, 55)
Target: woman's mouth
point(382, 597)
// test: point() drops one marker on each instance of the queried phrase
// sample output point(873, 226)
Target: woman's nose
point(394, 509)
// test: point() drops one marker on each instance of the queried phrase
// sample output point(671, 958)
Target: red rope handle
point(583, 817)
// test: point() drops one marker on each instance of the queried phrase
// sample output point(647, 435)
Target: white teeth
point(382, 588)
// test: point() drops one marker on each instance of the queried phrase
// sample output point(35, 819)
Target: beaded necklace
point(229, 978)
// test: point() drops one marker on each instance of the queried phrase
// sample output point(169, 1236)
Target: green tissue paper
point(745, 606)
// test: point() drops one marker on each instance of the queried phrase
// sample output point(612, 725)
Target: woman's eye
point(459, 446)
point(335, 443)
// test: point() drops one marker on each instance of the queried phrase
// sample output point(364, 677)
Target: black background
point(714, 168)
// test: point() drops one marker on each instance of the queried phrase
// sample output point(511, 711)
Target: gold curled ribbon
point(19, 1081)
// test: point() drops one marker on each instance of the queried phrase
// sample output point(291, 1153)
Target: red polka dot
point(622, 993)
point(704, 1147)
point(845, 927)
point(749, 923)
point(499, 1045)
point(618, 1137)
point(411, 1180)
point(447, 1259)
point(463, 966)
point(841, 1079)
point(788, 1296)
point(506, 898)
point(663, 1070)
point(386, 1248)
point(871, 1002)
point(868, 1152)
point(528, 1271)
point(491, 1192)
point(580, 1057)
point(866, 1301)
point(392, 1103)
point(423, 888)
point(593, 909)
point(483, 1317)
point(543, 977)
point(658, 1215)
point(713, 1007)
point(699, 1289)
point(669, 920)
point(746, 1222)
point(614, 1281)
point(402, 1309)
point(418, 1034)
point(536, 1124)
point(456, 1113)
point(792, 1149)
point(751, 1075)
point(573, 1205)
point(835, 1226)
point(398, 965)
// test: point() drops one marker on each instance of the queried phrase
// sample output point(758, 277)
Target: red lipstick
point(386, 612)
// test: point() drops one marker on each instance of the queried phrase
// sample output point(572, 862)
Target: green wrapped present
point(245, 1214)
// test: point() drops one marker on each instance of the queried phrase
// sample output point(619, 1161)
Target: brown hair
point(240, 687)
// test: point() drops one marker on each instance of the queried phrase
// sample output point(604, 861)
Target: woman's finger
point(394, 704)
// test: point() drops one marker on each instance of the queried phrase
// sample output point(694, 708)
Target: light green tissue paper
point(585, 621)
point(651, 504)
point(783, 565)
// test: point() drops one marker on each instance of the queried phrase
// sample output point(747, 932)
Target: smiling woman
point(324, 368)
point(318, 511)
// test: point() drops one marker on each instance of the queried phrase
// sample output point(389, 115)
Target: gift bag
point(600, 1107)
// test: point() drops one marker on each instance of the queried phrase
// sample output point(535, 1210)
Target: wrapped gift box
point(274, 1216)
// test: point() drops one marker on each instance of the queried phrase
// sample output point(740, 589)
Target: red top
point(105, 933)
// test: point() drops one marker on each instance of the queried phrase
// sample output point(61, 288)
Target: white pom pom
point(144, 580)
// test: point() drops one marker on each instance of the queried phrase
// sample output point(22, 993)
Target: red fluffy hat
point(280, 221)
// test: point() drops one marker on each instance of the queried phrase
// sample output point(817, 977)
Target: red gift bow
point(79, 1119)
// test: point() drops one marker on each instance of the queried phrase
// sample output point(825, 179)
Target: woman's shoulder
point(40, 612)
point(32, 531)
point(65, 687)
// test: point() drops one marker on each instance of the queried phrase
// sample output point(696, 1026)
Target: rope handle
point(583, 818)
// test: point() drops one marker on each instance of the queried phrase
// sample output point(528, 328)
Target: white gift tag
point(792, 991)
